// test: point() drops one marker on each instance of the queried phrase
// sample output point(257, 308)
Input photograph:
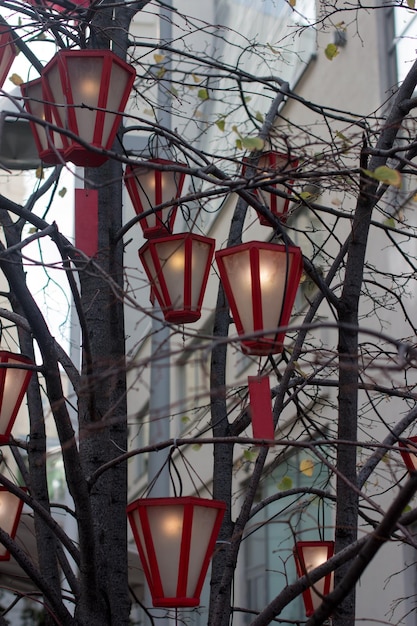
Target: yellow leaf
point(160, 73)
point(292, 3)
point(307, 467)
point(411, 4)
point(196, 78)
point(331, 51)
point(159, 57)
point(16, 79)
point(40, 173)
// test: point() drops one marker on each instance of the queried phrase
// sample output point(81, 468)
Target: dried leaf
point(16, 79)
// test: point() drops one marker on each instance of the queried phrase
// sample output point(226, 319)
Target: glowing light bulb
point(172, 525)
point(176, 261)
point(266, 275)
point(89, 88)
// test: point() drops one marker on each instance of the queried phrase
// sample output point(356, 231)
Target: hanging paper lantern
point(175, 538)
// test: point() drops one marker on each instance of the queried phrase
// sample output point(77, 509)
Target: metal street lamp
point(408, 451)
point(8, 52)
point(85, 92)
point(270, 165)
point(175, 538)
point(149, 187)
point(18, 150)
point(309, 555)
point(14, 381)
point(260, 281)
point(10, 511)
point(50, 144)
point(177, 268)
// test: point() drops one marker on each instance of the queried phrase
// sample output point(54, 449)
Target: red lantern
point(175, 538)
point(10, 511)
point(270, 165)
point(8, 52)
point(309, 555)
point(177, 268)
point(408, 451)
point(149, 187)
point(86, 91)
point(14, 381)
point(260, 281)
point(83, 4)
point(49, 143)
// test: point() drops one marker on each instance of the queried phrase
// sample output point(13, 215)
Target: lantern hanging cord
point(172, 466)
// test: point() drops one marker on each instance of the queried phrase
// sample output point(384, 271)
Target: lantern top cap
point(6, 354)
point(104, 53)
point(259, 245)
point(182, 500)
point(180, 237)
point(314, 543)
point(132, 167)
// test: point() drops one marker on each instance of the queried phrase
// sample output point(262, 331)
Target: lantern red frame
point(242, 276)
point(86, 108)
point(409, 453)
point(178, 267)
point(185, 548)
point(10, 404)
point(303, 569)
point(273, 163)
point(155, 223)
point(13, 502)
point(8, 52)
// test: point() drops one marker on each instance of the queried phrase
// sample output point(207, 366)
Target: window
point(270, 537)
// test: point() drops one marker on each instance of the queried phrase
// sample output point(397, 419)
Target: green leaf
point(62, 192)
point(253, 143)
point(342, 137)
point(286, 483)
point(331, 51)
point(161, 72)
point(238, 143)
point(185, 419)
point(411, 4)
point(221, 123)
point(250, 455)
point(259, 116)
point(390, 222)
point(197, 447)
point(407, 508)
point(203, 94)
point(386, 175)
